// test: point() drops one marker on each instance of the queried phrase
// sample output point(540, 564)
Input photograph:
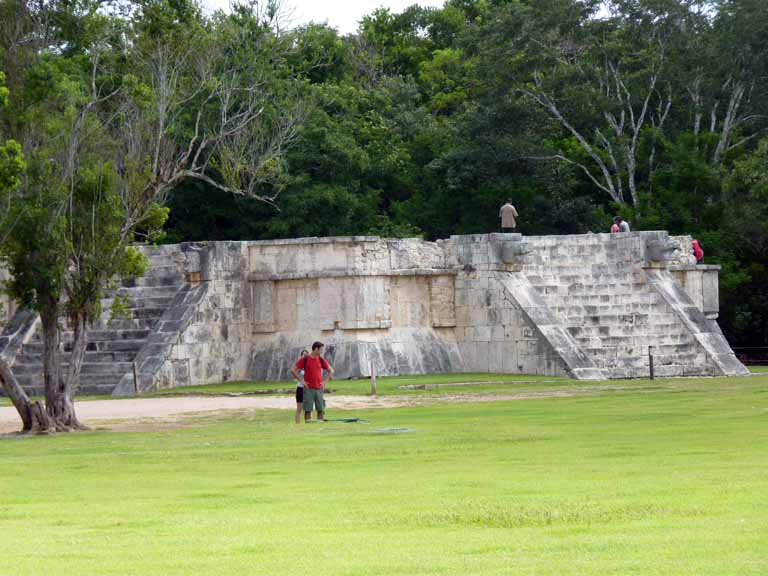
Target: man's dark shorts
point(299, 394)
point(314, 397)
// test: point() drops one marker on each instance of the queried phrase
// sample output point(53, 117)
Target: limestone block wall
point(503, 325)
point(371, 301)
point(701, 282)
point(587, 306)
point(568, 305)
point(215, 346)
point(390, 303)
point(495, 335)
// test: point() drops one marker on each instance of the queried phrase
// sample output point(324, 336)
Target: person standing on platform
point(507, 213)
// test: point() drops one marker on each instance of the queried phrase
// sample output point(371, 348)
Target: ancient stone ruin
point(586, 306)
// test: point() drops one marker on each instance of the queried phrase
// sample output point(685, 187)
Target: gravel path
point(106, 412)
point(159, 413)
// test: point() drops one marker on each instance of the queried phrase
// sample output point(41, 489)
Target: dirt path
point(169, 412)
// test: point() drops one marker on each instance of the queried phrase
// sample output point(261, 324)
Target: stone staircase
point(604, 299)
point(113, 344)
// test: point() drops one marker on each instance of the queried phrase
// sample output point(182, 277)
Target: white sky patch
point(343, 15)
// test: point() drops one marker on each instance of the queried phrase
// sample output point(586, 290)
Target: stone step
point(118, 368)
point(161, 290)
point(583, 298)
point(161, 249)
point(102, 346)
point(574, 260)
point(101, 335)
point(641, 332)
point(113, 368)
point(169, 268)
point(591, 316)
point(149, 312)
point(140, 301)
point(133, 313)
point(164, 259)
point(667, 350)
point(153, 281)
point(551, 277)
point(115, 346)
point(89, 357)
point(606, 290)
point(107, 381)
point(124, 324)
point(638, 361)
point(636, 342)
point(89, 383)
point(139, 292)
point(664, 371)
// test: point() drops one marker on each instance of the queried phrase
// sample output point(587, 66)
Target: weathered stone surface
point(589, 306)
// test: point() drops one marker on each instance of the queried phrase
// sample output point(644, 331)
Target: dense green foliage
point(105, 108)
point(423, 122)
point(664, 478)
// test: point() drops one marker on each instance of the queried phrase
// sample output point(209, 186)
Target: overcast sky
point(341, 14)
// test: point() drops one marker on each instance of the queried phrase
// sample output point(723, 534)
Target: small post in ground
point(650, 360)
point(135, 380)
point(373, 379)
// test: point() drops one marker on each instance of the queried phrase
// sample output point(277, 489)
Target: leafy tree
point(107, 137)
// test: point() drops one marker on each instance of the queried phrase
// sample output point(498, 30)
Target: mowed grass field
point(663, 478)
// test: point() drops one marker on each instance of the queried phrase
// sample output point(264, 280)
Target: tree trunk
point(65, 408)
point(49, 319)
point(58, 392)
point(34, 418)
point(78, 353)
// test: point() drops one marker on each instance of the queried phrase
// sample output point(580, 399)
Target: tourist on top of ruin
point(619, 225)
point(698, 251)
point(313, 365)
point(507, 213)
point(300, 389)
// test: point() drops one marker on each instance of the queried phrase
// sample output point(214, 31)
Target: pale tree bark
point(606, 181)
point(697, 99)
point(737, 115)
point(658, 118)
point(239, 138)
point(34, 418)
point(612, 148)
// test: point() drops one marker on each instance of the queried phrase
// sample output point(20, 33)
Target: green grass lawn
point(385, 386)
point(665, 480)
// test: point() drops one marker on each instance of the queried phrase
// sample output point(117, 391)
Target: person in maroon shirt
point(313, 366)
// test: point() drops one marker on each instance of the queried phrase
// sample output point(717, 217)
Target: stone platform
point(586, 306)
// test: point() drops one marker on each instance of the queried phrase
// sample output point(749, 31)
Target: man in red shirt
point(313, 366)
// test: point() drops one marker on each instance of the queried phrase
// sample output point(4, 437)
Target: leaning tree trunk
point(34, 418)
